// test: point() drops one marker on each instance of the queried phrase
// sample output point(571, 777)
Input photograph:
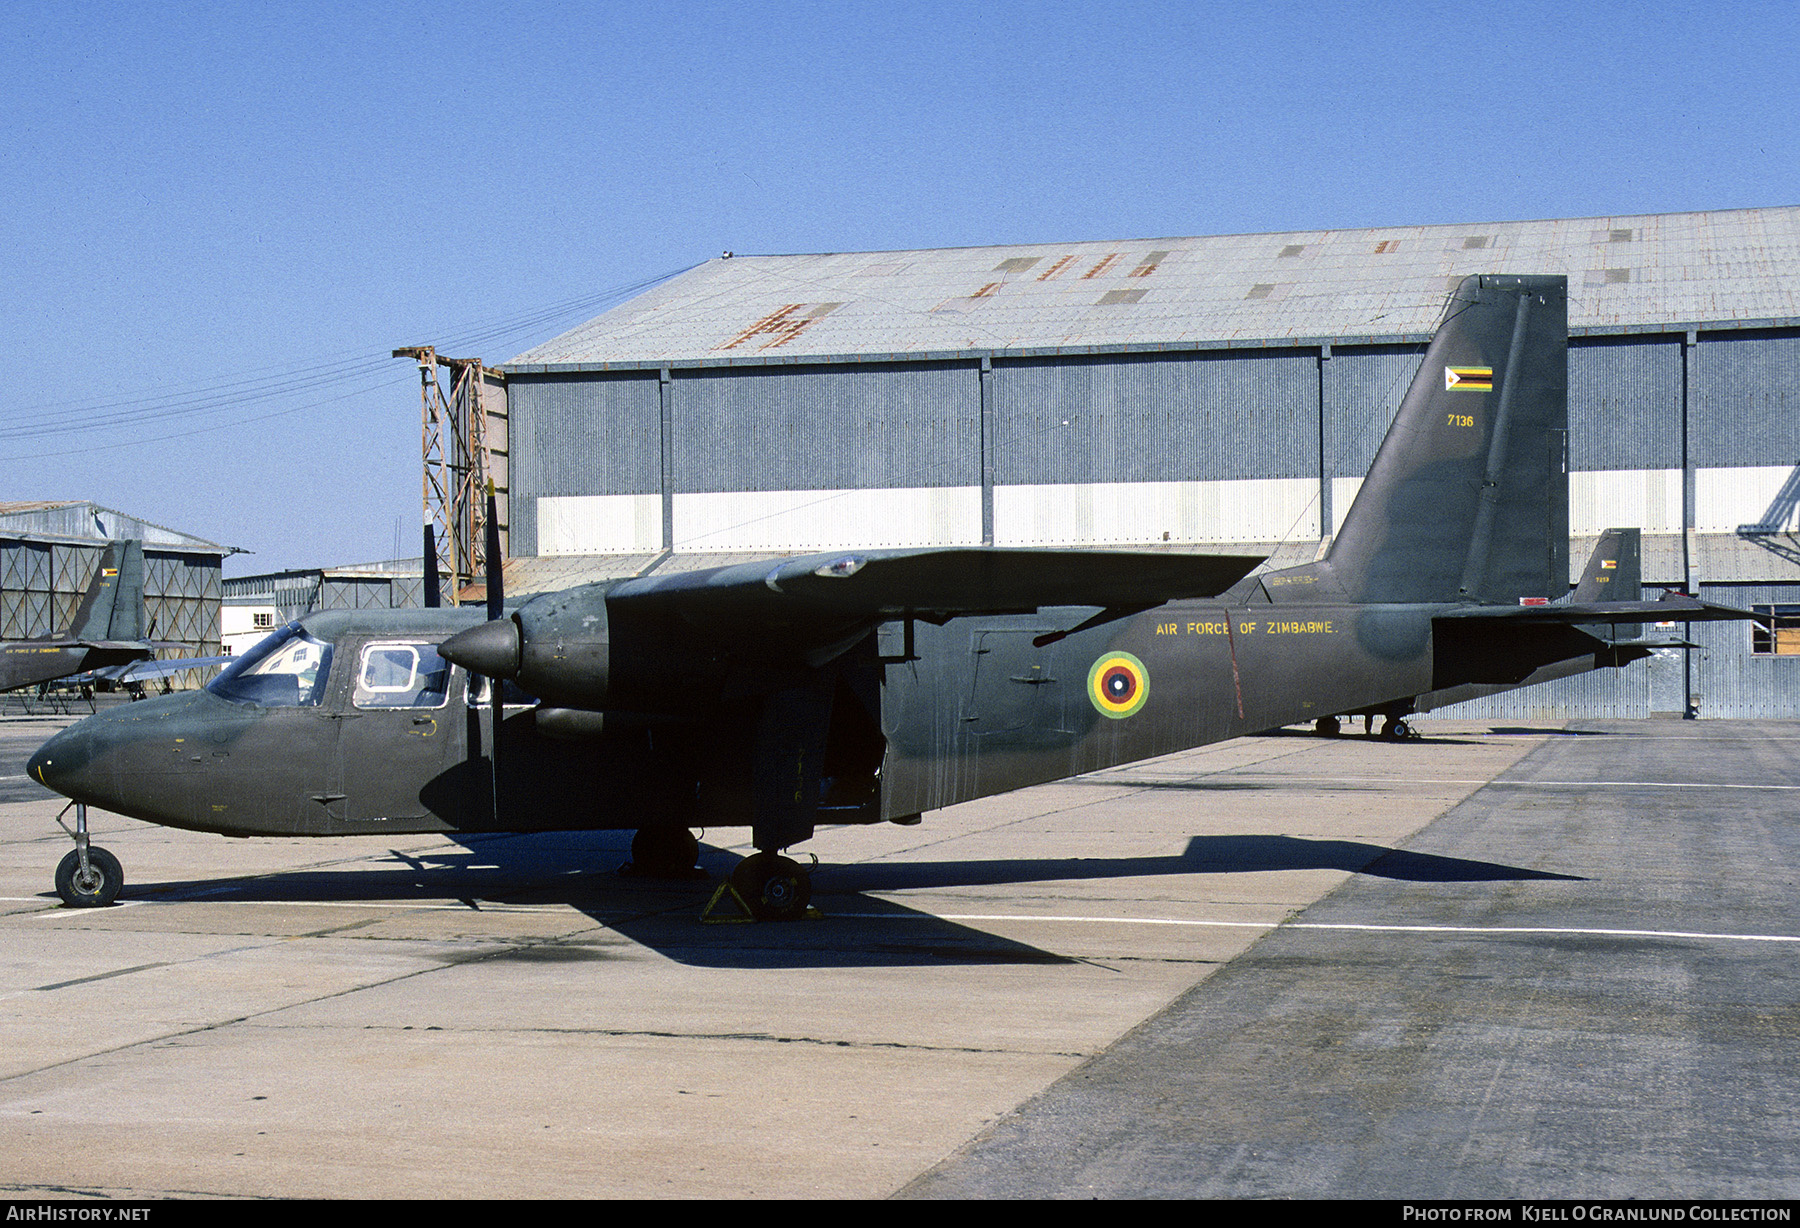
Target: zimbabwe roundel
point(1118, 685)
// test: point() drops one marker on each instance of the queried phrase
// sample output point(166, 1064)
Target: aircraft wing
point(1674, 607)
point(564, 647)
point(937, 584)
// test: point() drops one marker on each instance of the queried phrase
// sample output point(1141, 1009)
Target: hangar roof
point(1729, 268)
point(83, 520)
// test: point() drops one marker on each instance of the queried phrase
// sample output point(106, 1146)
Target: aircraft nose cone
point(492, 649)
point(59, 763)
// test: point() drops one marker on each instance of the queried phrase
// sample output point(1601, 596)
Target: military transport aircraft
point(107, 630)
point(859, 686)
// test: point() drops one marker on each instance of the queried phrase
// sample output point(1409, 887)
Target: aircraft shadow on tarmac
point(1356, 737)
point(579, 870)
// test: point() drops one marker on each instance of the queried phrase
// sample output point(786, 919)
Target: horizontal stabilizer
point(941, 583)
point(146, 671)
point(1674, 607)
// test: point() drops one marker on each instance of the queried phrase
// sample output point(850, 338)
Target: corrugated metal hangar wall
point(1173, 394)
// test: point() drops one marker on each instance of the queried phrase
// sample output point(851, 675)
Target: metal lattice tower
point(457, 456)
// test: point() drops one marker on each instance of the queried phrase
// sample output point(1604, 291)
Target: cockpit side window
point(286, 670)
point(401, 675)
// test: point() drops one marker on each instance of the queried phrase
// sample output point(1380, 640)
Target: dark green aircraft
point(863, 686)
point(107, 630)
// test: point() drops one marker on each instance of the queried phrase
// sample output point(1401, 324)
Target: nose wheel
point(94, 885)
point(87, 877)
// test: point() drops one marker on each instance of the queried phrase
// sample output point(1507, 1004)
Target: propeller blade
point(496, 599)
point(433, 599)
point(496, 611)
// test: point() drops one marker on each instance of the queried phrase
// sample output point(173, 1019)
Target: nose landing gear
point(88, 877)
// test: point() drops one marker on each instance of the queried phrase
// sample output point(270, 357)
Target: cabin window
point(1781, 638)
point(286, 670)
point(401, 676)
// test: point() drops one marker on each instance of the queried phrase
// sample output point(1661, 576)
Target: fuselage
point(30, 662)
point(383, 736)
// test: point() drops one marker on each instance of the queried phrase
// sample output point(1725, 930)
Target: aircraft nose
point(62, 762)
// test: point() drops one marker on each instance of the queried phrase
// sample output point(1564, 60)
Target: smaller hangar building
point(48, 552)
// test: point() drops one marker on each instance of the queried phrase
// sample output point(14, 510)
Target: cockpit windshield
point(287, 670)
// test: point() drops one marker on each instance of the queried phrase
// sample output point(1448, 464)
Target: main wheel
point(664, 852)
point(98, 888)
point(775, 888)
point(1396, 730)
point(1326, 727)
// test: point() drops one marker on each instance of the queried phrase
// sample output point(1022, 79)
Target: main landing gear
point(767, 886)
point(89, 877)
point(663, 852)
point(1393, 728)
point(772, 887)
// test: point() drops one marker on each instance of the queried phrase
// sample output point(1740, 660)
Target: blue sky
point(221, 218)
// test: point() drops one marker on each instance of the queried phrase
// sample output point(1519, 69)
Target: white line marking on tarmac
point(1325, 925)
point(418, 906)
point(459, 906)
point(1509, 784)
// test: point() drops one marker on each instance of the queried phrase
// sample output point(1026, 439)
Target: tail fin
point(113, 608)
point(1468, 498)
point(1615, 572)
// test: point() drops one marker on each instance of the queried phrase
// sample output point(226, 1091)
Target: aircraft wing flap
point(941, 582)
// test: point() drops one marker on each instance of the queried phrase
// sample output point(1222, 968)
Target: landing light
point(837, 569)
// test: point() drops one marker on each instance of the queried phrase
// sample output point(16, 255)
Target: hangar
point(1175, 394)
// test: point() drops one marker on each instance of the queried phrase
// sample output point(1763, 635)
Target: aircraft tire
point(1396, 730)
point(664, 852)
point(1327, 727)
point(774, 887)
point(103, 888)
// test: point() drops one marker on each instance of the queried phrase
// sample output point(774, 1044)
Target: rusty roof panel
point(1676, 270)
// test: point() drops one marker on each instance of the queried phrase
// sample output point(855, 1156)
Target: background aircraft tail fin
point(1468, 496)
point(113, 607)
point(1615, 571)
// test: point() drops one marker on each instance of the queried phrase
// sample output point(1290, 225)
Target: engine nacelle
point(555, 646)
point(565, 651)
